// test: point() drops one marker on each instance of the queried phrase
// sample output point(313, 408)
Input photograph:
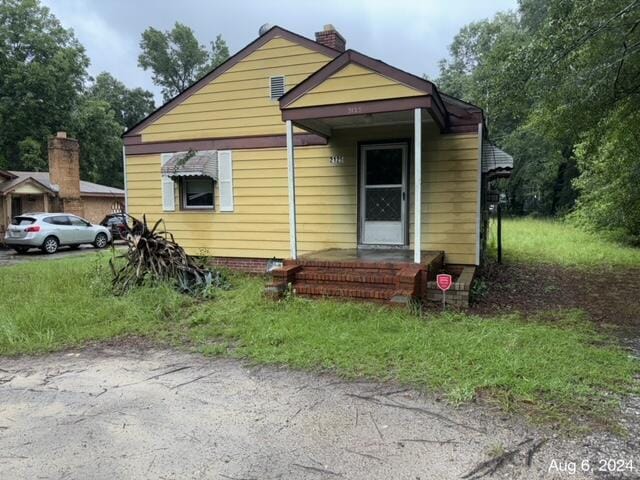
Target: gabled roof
point(353, 56)
point(273, 32)
point(43, 180)
point(348, 57)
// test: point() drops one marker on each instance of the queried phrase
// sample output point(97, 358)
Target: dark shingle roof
point(86, 188)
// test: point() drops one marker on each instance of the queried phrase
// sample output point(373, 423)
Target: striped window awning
point(496, 162)
point(192, 164)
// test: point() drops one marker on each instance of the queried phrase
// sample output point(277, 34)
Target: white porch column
point(291, 169)
point(417, 207)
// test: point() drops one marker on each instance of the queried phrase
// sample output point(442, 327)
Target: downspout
point(126, 189)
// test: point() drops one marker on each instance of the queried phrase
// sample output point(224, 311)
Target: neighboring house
point(293, 147)
point(58, 190)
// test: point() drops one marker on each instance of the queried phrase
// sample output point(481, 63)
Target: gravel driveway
point(10, 257)
point(139, 412)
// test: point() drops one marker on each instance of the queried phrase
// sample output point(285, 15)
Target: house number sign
point(336, 159)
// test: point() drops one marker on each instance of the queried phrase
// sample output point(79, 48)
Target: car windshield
point(23, 221)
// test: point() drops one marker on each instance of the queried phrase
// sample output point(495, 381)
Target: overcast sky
point(410, 34)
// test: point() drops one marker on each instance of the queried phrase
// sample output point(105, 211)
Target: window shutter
point(225, 179)
point(168, 188)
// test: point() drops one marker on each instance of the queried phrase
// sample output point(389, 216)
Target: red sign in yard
point(444, 281)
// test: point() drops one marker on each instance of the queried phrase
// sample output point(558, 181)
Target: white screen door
point(383, 192)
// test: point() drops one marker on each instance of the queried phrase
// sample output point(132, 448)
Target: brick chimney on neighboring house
point(64, 173)
point(330, 37)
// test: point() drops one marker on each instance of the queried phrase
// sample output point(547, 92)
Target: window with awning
point(196, 173)
point(192, 164)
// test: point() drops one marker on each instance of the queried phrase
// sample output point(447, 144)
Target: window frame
point(183, 194)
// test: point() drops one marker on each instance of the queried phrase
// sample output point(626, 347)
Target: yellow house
point(297, 150)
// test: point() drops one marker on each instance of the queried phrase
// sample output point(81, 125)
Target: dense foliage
point(177, 59)
point(559, 81)
point(45, 87)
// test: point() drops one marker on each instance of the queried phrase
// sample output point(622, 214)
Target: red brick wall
point(247, 265)
point(331, 38)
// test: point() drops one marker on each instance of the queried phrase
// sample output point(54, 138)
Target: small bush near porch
point(553, 369)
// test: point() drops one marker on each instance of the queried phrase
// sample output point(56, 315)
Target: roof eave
point(272, 33)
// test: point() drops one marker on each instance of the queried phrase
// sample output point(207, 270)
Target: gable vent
point(277, 86)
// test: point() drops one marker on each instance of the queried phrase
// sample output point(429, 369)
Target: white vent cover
point(276, 87)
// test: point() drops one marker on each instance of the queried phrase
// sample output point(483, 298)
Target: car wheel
point(21, 250)
point(50, 245)
point(101, 240)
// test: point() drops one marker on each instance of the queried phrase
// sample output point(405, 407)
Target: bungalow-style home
point(342, 174)
point(58, 190)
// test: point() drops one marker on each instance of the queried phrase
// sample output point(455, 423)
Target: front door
point(383, 194)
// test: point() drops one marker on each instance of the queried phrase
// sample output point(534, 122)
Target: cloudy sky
point(409, 34)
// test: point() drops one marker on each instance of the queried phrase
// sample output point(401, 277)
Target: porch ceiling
point(327, 126)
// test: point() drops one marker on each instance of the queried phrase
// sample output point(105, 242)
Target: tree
point(42, 70)
point(129, 105)
point(95, 126)
point(32, 158)
point(219, 54)
point(177, 59)
point(550, 78)
point(609, 162)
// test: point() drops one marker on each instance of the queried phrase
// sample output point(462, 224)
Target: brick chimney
point(64, 172)
point(330, 37)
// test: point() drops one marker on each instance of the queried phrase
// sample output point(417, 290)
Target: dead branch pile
point(154, 256)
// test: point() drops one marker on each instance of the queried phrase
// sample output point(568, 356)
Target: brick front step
point(364, 292)
point(350, 265)
point(342, 277)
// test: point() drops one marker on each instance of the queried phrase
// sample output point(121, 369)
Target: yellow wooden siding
point(449, 196)
point(326, 198)
point(354, 84)
point(259, 224)
point(237, 103)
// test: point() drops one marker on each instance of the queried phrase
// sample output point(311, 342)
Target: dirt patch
point(609, 296)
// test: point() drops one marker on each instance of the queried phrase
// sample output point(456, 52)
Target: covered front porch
point(27, 197)
point(397, 195)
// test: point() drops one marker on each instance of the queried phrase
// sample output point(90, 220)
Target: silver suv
point(48, 231)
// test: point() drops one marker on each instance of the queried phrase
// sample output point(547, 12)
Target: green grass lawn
point(549, 241)
point(554, 369)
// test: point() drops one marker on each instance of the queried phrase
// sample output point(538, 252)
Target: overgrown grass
point(548, 241)
point(557, 369)
point(49, 305)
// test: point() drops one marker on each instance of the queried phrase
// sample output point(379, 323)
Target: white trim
point(168, 187)
point(226, 204)
point(404, 146)
point(291, 177)
point(126, 187)
point(417, 188)
point(479, 195)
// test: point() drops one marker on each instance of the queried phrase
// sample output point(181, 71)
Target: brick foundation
point(246, 265)
point(458, 294)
